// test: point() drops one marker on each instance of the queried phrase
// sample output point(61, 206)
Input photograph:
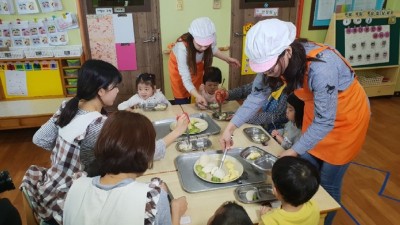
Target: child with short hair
point(146, 93)
point(295, 181)
point(291, 132)
point(230, 213)
point(211, 80)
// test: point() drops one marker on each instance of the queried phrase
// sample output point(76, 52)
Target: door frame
point(239, 18)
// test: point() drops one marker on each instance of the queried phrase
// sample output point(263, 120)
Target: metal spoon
point(223, 159)
point(187, 129)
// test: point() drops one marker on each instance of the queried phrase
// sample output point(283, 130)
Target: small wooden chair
point(31, 218)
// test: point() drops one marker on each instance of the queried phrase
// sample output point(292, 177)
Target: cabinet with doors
point(370, 41)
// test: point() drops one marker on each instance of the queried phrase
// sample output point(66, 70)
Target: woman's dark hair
point(294, 72)
point(230, 213)
point(146, 78)
point(126, 144)
point(92, 76)
point(191, 53)
point(274, 82)
point(298, 106)
point(296, 179)
point(212, 74)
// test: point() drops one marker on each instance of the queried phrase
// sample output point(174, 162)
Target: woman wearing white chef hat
point(190, 55)
point(336, 110)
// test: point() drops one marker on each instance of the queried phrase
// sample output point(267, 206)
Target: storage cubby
point(45, 77)
point(69, 74)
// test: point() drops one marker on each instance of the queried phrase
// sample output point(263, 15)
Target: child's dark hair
point(146, 78)
point(230, 213)
point(296, 179)
point(212, 74)
point(298, 106)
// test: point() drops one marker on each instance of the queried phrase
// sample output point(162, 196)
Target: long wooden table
point(202, 205)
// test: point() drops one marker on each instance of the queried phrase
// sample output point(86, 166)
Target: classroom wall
point(319, 35)
point(174, 23)
point(68, 6)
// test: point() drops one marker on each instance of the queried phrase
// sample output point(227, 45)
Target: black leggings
point(8, 213)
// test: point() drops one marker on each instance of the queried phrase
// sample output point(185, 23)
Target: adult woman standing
point(336, 111)
point(192, 52)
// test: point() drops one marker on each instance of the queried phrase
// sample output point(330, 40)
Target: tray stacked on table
point(191, 183)
point(162, 127)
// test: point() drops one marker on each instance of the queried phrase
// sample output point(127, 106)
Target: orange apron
point(178, 89)
point(344, 141)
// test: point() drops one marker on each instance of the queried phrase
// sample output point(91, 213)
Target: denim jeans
point(331, 179)
point(181, 101)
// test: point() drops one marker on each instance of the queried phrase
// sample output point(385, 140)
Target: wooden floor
point(371, 190)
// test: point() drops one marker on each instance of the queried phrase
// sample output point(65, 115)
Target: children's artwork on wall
point(20, 34)
point(5, 36)
point(6, 7)
point(26, 6)
point(55, 37)
point(101, 38)
point(16, 82)
point(50, 5)
point(38, 33)
point(66, 22)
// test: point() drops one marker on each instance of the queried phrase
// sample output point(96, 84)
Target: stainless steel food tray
point(256, 135)
point(191, 183)
point(227, 117)
point(153, 107)
point(162, 127)
point(263, 193)
point(264, 162)
point(199, 144)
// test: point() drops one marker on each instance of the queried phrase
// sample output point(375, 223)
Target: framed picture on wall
point(251, 4)
point(322, 10)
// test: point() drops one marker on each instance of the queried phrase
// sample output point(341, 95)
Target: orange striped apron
point(344, 141)
point(178, 89)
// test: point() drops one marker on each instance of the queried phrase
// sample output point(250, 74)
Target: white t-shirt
point(157, 97)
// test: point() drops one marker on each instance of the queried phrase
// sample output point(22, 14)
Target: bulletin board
point(369, 44)
point(38, 84)
point(322, 10)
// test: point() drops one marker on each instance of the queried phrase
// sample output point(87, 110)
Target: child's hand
point(221, 95)
point(264, 209)
point(201, 102)
point(274, 133)
point(178, 208)
point(182, 123)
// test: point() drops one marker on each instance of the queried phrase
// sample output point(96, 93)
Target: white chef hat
point(203, 31)
point(266, 40)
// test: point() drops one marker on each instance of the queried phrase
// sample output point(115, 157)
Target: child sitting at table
point(291, 132)
point(295, 181)
point(230, 213)
point(211, 80)
point(116, 197)
point(146, 93)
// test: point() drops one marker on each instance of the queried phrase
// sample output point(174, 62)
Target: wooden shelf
point(64, 66)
